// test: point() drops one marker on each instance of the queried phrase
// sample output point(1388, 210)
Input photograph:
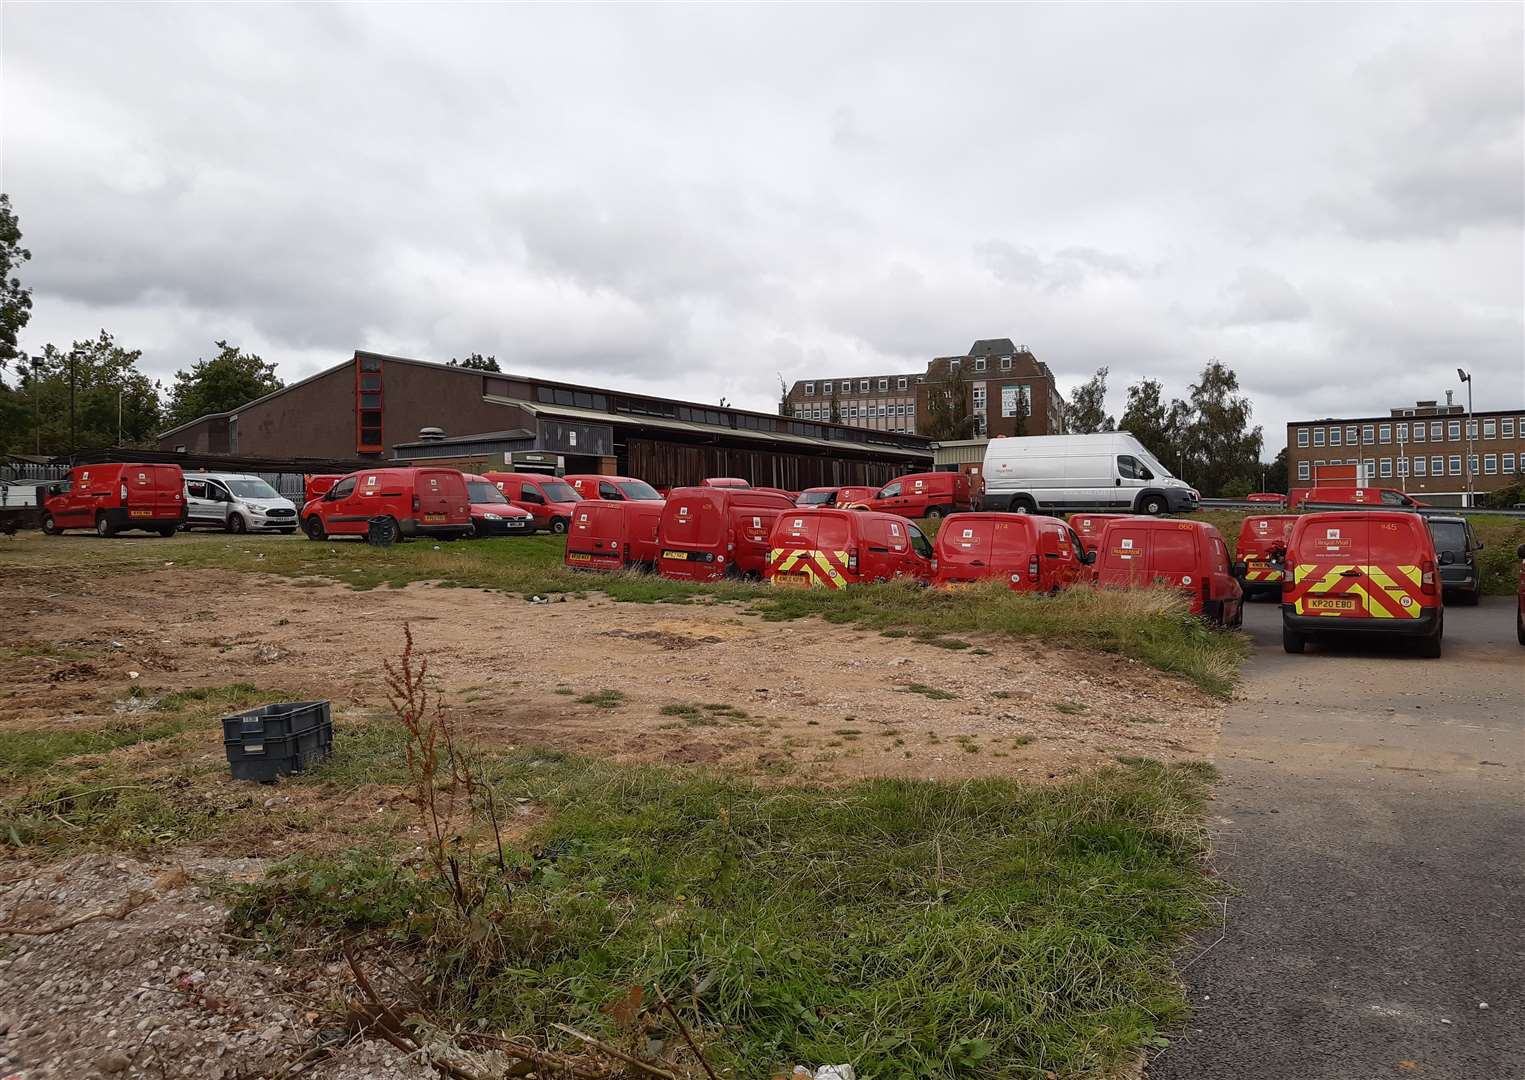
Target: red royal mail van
point(315, 485)
point(549, 499)
point(491, 512)
point(610, 535)
point(828, 548)
point(1266, 497)
point(1029, 552)
point(1261, 548)
point(420, 502)
point(112, 497)
point(706, 533)
point(1187, 555)
point(725, 482)
point(924, 495)
point(1363, 496)
point(1372, 571)
point(613, 488)
point(835, 496)
point(1089, 527)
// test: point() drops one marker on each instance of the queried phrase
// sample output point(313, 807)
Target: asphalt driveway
point(1372, 820)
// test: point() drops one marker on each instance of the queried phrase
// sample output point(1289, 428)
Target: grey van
point(238, 503)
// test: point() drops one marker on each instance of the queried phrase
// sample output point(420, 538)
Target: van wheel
point(1519, 627)
point(1292, 641)
point(934, 512)
point(1471, 599)
point(49, 526)
point(558, 525)
point(104, 527)
point(167, 531)
point(1153, 505)
point(313, 527)
point(1429, 647)
point(1023, 505)
point(237, 525)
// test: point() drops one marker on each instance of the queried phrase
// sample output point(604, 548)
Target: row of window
point(1419, 431)
point(1437, 465)
point(854, 412)
point(882, 385)
point(979, 363)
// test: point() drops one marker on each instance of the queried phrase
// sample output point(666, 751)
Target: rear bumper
point(690, 569)
point(1465, 578)
point(124, 517)
point(1427, 625)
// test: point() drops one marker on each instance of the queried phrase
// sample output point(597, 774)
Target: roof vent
point(431, 434)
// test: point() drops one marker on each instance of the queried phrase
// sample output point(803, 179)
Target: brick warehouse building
point(1421, 449)
point(374, 407)
point(1007, 391)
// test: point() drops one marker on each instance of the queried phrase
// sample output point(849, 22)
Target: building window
point(1490, 464)
point(1320, 463)
point(1368, 433)
point(954, 365)
point(1302, 436)
point(1453, 431)
point(1472, 460)
point(862, 386)
point(1437, 430)
point(1318, 436)
point(1454, 464)
point(884, 384)
point(1506, 427)
point(826, 388)
point(368, 406)
point(1419, 464)
point(1437, 466)
point(1370, 470)
point(979, 365)
point(1385, 433)
point(1403, 466)
point(1386, 466)
point(1508, 464)
point(1334, 436)
point(900, 383)
point(1005, 363)
point(1403, 434)
point(1471, 429)
point(1352, 435)
point(1490, 429)
point(1419, 432)
point(1302, 470)
point(810, 389)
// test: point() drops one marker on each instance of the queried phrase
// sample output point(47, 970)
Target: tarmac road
point(1372, 822)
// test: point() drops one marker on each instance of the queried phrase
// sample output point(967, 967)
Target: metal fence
point(1427, 511)
point(30, 472)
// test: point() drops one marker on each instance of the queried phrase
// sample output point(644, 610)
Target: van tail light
point(1427, 577)
point(1032, 567)
point(1288, 561)
point(124, 492)
point(416, 506)
point(852, 561)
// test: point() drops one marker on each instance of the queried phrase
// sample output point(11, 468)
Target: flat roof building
point(375, 407)
point(1421, 449)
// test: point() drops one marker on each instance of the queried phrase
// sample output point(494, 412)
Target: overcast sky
point(692, 200)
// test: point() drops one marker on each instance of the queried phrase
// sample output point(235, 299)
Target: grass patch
point(24, 753)
point(928, 691)
point(603, 699)
point(686, 711)
point(1069, 708)
point(917, 929)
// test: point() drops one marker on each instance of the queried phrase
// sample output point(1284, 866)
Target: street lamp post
point(1466, 378)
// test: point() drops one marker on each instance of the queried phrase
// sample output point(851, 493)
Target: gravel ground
point(161, 992)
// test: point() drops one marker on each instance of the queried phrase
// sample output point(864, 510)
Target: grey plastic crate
point(276, 740)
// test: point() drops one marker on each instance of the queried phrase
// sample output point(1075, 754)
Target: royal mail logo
point(968, 533)
point(1331, 534)
point(1127, 545)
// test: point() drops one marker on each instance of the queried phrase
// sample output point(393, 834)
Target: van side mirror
point(1447, 558)
point(1240, 569)
point(1088, 557)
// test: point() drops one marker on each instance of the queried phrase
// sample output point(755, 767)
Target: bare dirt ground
point(805, 698)
point(162, 991)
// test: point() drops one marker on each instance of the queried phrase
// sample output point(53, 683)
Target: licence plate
point(791, 581)
point(579, 556)
point(140, 513)
point(1330, 603)
point(433, 519)
point(674, 554)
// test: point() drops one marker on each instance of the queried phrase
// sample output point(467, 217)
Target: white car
point(238, 503)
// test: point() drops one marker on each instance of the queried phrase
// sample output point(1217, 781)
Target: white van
point(1106, 471)
point(238, 503)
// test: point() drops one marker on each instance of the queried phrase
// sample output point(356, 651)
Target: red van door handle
point(976, 562)
point(1350, 573)
point(879, 550)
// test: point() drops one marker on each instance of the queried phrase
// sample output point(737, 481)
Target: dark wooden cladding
point(663, 464)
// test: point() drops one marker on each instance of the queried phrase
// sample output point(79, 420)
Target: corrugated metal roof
point(571, 412)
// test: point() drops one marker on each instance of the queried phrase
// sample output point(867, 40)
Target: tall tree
point(1146, 416)
point(1087, 410)
point(836, 407)
point(228, 380)
point(1224, 448)
point(15, 301)
point(947, 415)
point(476, 362)
point(114, 402)
point(785, 406)
point(1276, 472)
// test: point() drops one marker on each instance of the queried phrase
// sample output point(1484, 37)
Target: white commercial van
point(1106, 471)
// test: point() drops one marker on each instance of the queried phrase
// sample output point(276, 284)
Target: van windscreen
point(815, 498)
point(482, 493)
point(251, 487)
point(559, 491)
point(638, 490)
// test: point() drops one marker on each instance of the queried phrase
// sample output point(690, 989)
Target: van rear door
point(1330, 578)
point(168, 491)
point(965, 548)
point(1123, 558)
point(1398, 549)
point(440, 493)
